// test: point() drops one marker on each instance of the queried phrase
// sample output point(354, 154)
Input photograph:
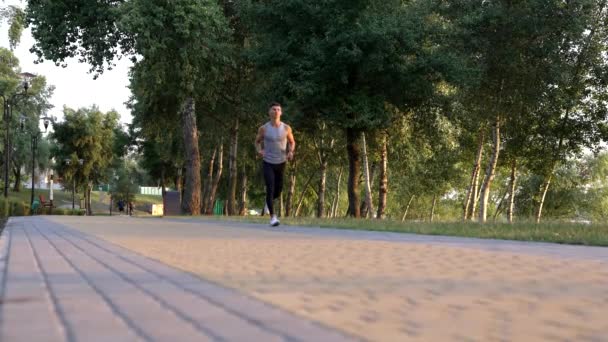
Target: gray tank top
point(275, 143)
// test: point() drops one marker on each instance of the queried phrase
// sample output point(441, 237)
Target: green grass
point(556, 232)
point(100, 201)
point(59, 197)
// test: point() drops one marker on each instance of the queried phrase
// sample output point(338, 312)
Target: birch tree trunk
point(209, 182)
point(500, 205)
point(512, 185)
point(368, 190)
point(334, 209)
point(354, 170)
point(372, 176)
point(243, 197)
point(322, 155)
point(490, 172)
point(299, 207)
point(471, 195)
point(216, 180)
point(191, 202)
point(291, 191)
point(407, 208)
point(232, 167)
point(544, 189)
point(383, 188)
point(321, 191)
point(433, 208)
point(476, 195)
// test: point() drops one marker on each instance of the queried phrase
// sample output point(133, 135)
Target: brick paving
point(118, 278)
point(58, 284)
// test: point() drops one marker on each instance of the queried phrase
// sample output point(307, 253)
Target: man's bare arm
point(259, 141)
point(292, 143)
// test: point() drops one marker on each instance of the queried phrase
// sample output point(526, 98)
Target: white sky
point(74, 85)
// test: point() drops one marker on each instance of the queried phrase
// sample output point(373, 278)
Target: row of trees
point(87, 148)
point(22, 114)
point(467, 102)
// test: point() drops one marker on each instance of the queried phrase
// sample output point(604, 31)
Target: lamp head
point(26, 78)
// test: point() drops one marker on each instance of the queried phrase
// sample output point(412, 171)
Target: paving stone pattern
point(58, 284)
point(369, 285)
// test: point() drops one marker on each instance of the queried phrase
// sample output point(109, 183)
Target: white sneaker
point(274, 221)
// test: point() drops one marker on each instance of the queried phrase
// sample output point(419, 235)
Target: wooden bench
point(44, 203)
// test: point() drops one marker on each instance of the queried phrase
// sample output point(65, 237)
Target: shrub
point(59, 211)
point(26, 209)
point(5, 209)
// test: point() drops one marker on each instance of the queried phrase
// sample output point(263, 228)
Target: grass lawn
point(557, 232)
point(59, 197)
point(100, 201)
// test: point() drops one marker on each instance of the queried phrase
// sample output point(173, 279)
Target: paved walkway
point(58, 284)
point(96, 278)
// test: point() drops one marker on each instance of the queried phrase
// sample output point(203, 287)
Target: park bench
point(44, 203)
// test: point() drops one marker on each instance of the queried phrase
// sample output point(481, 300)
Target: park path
point(58, 284)
point(326, 284)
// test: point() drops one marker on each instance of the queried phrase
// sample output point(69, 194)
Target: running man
point(275, 144)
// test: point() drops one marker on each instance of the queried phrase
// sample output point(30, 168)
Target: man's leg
point(278, 180)
point(269, 179)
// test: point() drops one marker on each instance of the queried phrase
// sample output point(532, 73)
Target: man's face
point(274, 112)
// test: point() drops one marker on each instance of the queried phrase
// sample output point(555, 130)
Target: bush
point(13, 208)
point(59, 211)
point(26, 209)
point(19, 209)
point(5, 209)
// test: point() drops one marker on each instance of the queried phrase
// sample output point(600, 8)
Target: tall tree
point(176, 44)
point(86, 134)
point(318, 59)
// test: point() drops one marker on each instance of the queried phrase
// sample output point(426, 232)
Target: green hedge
point(19, 208)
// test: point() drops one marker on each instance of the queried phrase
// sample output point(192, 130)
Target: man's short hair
point(273, 104)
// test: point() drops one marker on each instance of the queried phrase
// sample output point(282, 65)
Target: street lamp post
point(35, 134)
point(112, 195)
point(9, 101)
point(68, 162)
point(34, 146)
point(51, 187)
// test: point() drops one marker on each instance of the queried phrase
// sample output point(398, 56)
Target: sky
point(74, 85)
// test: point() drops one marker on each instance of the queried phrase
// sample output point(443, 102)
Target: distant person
point(275, 144)
point(121, 206)
point(130, 208)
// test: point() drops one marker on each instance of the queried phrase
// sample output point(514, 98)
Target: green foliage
point(86, 134)
point(5, 208)
point(434, 74)
point(125, 184)
point(13, 208)
point(16, 21)
point(77, 28)
point(178, 41)
point(346, 60)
